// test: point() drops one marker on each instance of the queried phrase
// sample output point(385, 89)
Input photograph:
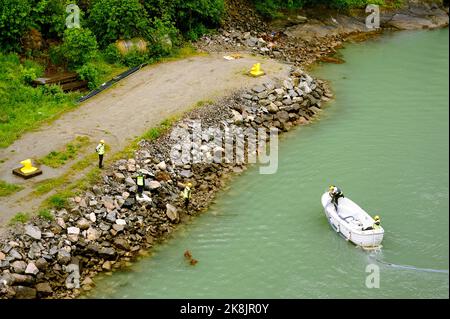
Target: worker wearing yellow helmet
point(335, 193)
point(377, 222)
point(187, 195)
point(100, 149)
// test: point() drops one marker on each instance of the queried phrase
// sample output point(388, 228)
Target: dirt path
point(126, 111)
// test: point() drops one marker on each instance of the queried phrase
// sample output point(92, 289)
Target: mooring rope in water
point(442, 271)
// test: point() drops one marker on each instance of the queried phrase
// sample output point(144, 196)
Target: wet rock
point(33, 231)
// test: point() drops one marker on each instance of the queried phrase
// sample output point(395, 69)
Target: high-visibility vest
point(140, 180)
point(100, 149)
point(187, 193)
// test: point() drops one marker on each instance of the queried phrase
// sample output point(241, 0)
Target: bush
point(164, 36)
point(14, 21)
point(90, 72)
point(49, 17)
point(28, 75)
point(79, 46)
point(191, 17)
point(191, 13)
point(111, 54)
point(135, 58)
point(118, 19)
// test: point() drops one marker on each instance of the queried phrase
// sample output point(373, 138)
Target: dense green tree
point(118, 19)
point(14, 22)
point(79, 46)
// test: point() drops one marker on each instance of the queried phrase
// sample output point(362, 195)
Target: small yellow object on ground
point(256, 70)
point(27, 167)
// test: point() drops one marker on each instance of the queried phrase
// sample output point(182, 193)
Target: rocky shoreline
point(107, 227)
point(308, 36)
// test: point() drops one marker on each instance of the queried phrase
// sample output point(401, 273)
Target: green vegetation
point(92, 50)
point(23, 107)
point(19, 218)
point(7, 189)
point(57, 159)
point(273, 8)
point(46, 214)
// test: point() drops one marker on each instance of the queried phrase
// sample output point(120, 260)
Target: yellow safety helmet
point(189, 185)
point(376, 218)
point(102, 141)
point(331, 187)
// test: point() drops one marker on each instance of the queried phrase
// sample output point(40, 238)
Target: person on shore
point(100, 149)
point(335, 193)
point(187, 195)
point(140, 182)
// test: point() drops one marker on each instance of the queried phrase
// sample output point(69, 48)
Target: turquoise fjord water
point(384, 140)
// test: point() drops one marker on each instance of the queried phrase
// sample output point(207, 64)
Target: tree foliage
point(111, 20)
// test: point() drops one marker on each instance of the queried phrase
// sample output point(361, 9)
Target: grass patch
point(57, 159)
point(19, 218)
point(23, 107)
point(59, 200)
point(7, 189)
point(46, 214)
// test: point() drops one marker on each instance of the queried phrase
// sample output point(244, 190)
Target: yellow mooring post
point(27, 167)
point(256, 70)
point(27, 171)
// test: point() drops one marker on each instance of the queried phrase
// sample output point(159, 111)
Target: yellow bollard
point(27, 167)
point(256, 70)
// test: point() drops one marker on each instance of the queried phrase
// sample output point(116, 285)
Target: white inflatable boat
point(352, 222)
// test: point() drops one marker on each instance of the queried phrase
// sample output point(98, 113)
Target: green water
point(384, 141)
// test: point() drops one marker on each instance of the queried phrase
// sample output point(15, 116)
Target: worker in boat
point(376, 225)
point(140, 182)
point(187, 195)
point(335, 193)
point(100, 149)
